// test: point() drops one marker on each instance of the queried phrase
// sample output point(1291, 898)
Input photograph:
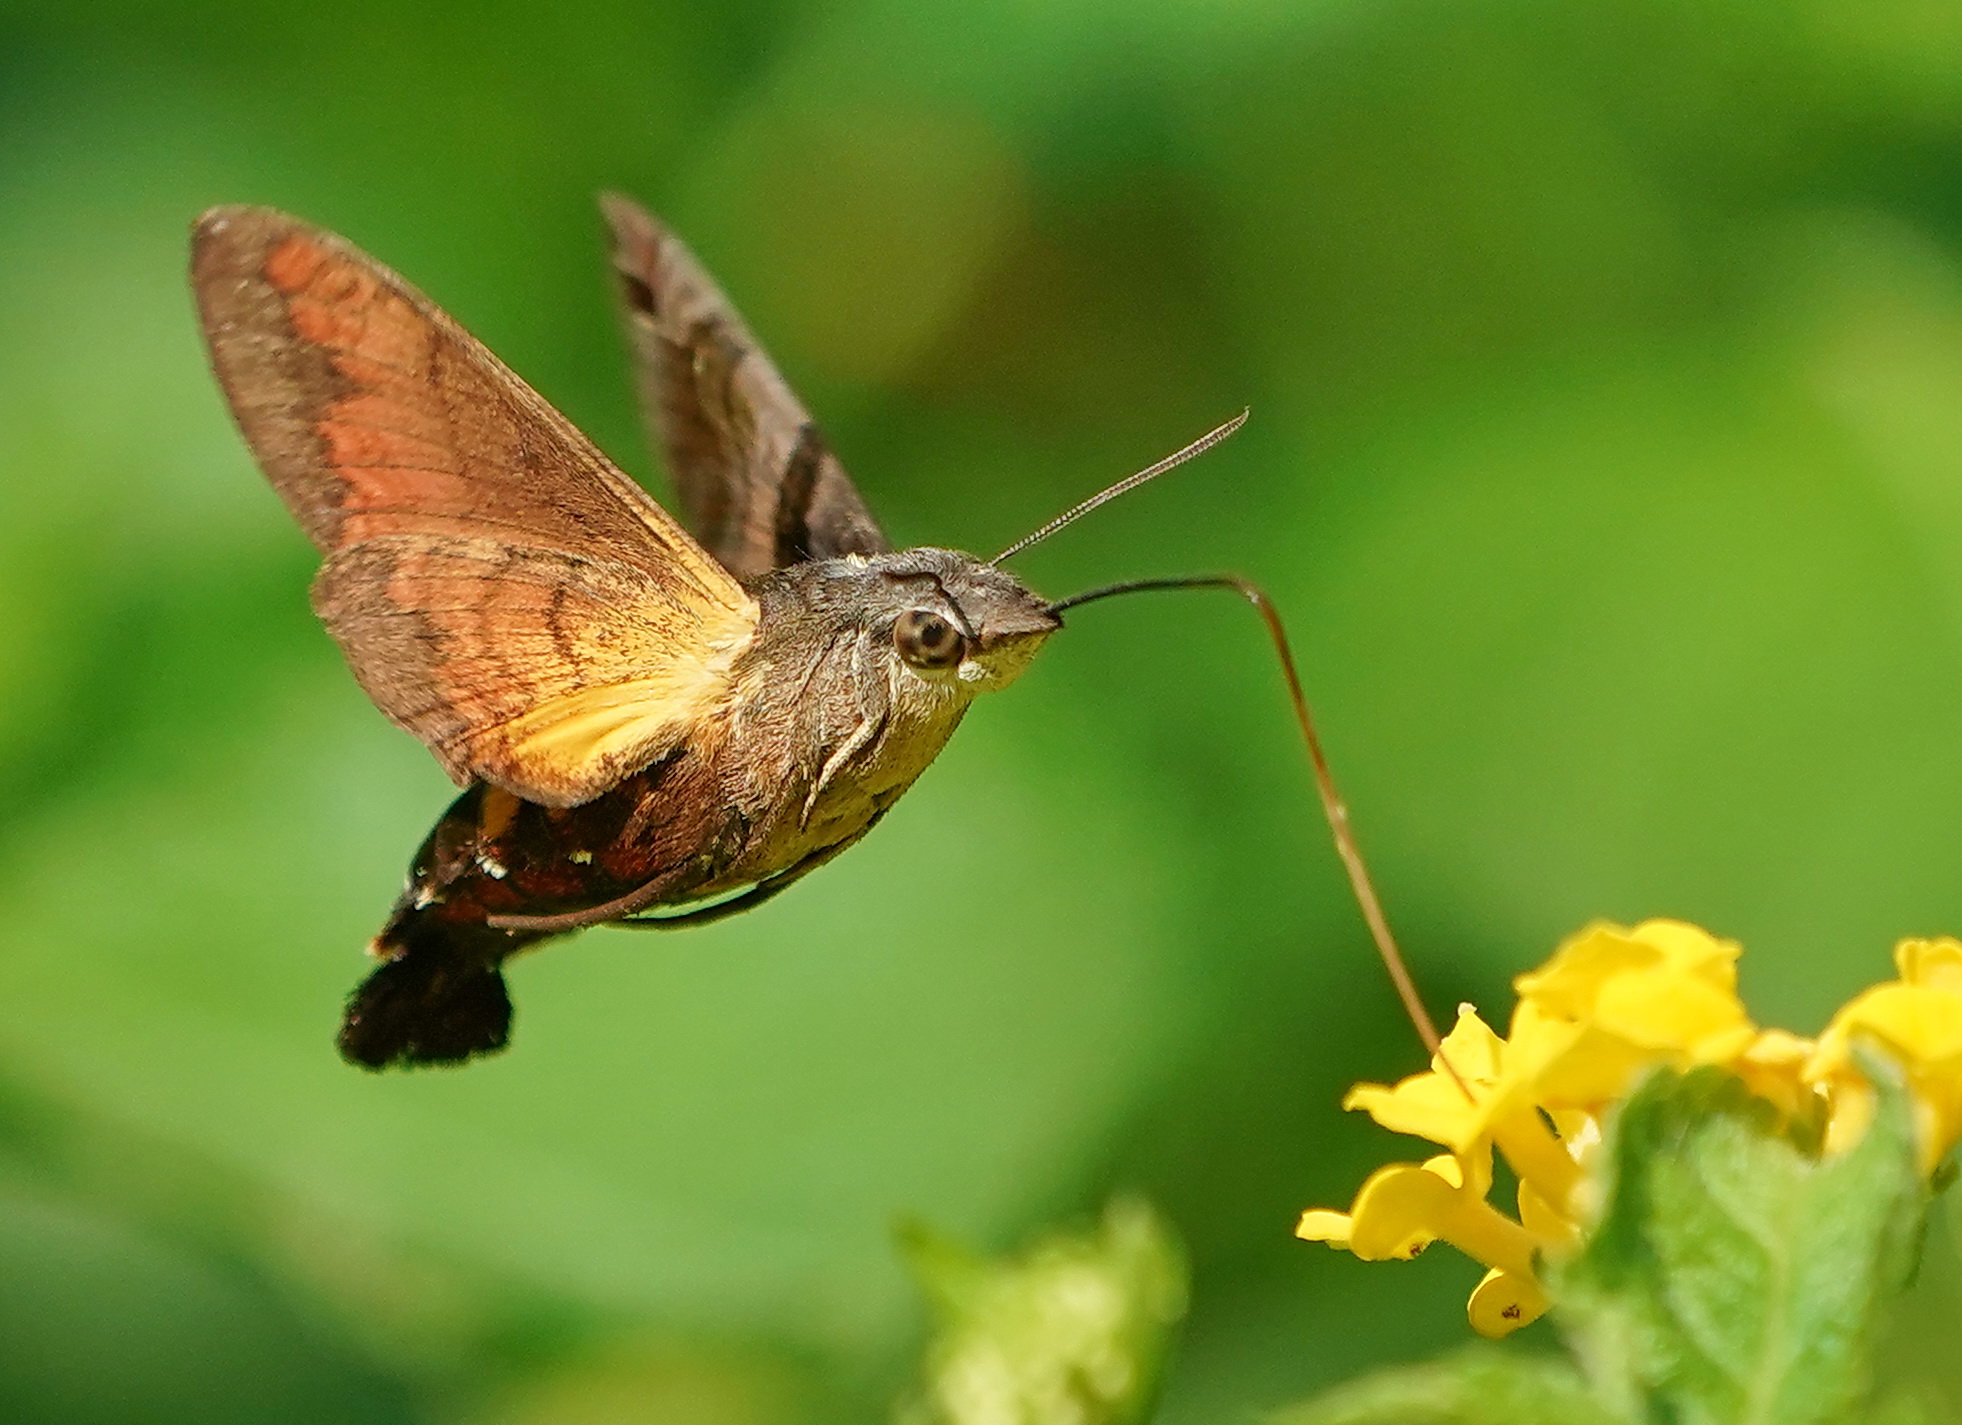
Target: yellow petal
point(1583, 1068)
point(1429, 1106)
point(1404, 1207)
point(1566, 985)
point(1535, 1035)
point(1936, 1124)
point(1504, 1302)
point(1675, 1009)
point(1395, 1209)
point(1922, 1026)
point(1398, 1212)
point(1447, 1167)
point(1536, 1156)
point(1547, 1225)
point(1773, 1068)
point(1778, 1051)
point(1912, 1027)
point(1318, 1224)
point(1693, 949)
point(1471, 1169)
point(1852, 1112)
point(1471, 1048)
point(1933, 964)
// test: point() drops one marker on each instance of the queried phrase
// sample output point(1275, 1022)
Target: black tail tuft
point(426, 1008)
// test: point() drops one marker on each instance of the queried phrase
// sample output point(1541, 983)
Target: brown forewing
point(500, 588)
point(759, 484)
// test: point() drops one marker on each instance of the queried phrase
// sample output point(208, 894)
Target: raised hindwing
point(760, 486)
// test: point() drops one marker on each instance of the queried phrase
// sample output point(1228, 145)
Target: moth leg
point(639, 898)
point(871, 721)
point(750, 899)
point(867, 729)
point(709, 914)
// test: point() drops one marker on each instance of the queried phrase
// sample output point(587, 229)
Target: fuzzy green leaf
point(1072, 1331)
point(1478, 1387)
point(1735, 1278)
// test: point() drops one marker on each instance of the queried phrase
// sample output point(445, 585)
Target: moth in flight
point(643, 721)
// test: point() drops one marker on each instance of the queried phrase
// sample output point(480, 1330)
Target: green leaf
point(1072, 1331)
point(1478, 1387)
point(1734, 1278)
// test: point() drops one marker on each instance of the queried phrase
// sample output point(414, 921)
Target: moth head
point(957, 623)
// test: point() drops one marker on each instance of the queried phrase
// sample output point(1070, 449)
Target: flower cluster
point(1610, 1005)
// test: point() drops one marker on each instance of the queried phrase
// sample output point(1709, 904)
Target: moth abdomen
point(438, 999)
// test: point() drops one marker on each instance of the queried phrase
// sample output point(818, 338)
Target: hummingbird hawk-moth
point(650, 728)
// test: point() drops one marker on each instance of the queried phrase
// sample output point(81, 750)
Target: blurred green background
point(1606, 368)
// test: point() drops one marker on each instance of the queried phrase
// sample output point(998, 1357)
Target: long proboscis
point(1333, 807)
point(1124, 487)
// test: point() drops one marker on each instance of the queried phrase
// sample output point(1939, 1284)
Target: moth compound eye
point(926, 640)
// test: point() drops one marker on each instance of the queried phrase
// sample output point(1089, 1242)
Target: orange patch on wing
point(386, 410)
point(334, 304)
point(291, 265)
point(395, 454)
point(359, 445)
point(384, 493)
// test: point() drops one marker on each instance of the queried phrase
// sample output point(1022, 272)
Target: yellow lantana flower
point(1404, 1207)
point(1918, 1020)
point(1612, 1004)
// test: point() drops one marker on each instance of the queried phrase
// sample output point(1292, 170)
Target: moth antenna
point(1124, 487)
point(1333, 807)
